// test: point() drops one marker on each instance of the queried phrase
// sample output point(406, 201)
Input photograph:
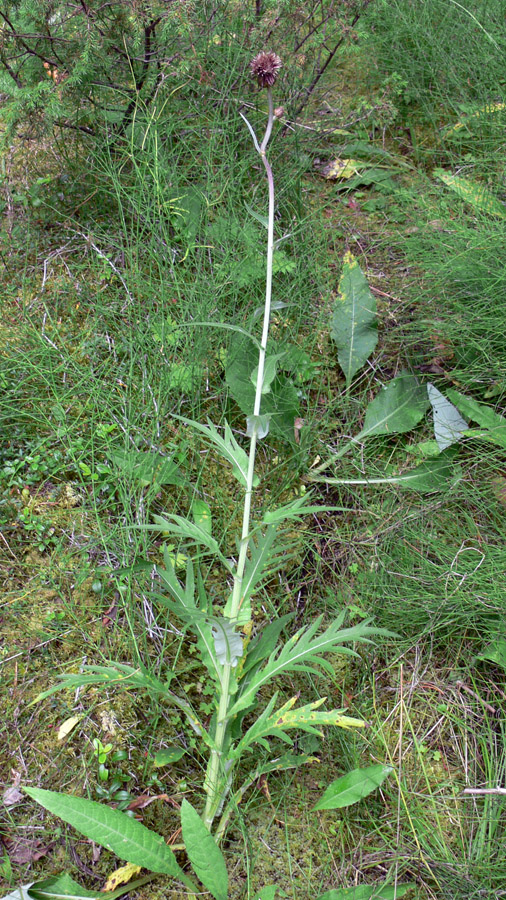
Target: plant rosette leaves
point(112, 829)
point(449, 426)
point(368, 892)
point(204, 854)
point(65, 887)
point(354, 326)
point(493, 423)
point(476, 194)
point(353, 786)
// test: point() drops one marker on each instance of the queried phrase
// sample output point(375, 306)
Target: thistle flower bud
point(264, 67)
point(279, 111)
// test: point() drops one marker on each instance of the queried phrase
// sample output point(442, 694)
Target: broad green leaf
point(227, 642)
point(354, 327)
point(353, 786)
point(449, 425)
point(115, 831)
point(267, 893)
point(204, 854)
point(270, 372)
point(202, 516)
point(483, 415)
point(20, 893)
point(226, 444)
point(65, 887)
point(282, 401)
point(168, 756)
point(369, 892)
point(496, 653)
point(431, 475)
point(398, 407)
point(476, 194)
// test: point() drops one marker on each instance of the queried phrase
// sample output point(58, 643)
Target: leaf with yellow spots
point(342, 169)
point(474, 193)
point(121, 876)
point(486, 110)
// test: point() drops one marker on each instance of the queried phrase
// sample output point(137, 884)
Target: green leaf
point(65, 887)
point(449, 425)
point(483, 415)
point(190, 531)
point(205, 856)
point(353, 786)
point(354, 327)
point(369, 892)
point(262, 219)
point(227, 445)
point(115, 831)
point(146, 467)
point(476, 194)
point(267, 893)
point(303, 651)
point(167, 756)
point(282, 401)
point(260, 424)
point(270, 372)
point(398, 407)
point(431, 475)
point(496, 653)
point(202, 516)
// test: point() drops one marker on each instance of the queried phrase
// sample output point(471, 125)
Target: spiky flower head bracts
point(265, 67)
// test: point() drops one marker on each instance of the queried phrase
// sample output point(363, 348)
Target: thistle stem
point(215, 785)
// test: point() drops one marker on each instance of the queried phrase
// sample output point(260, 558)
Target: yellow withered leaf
point(67, 726)
point(121, 876)
point(342, 168)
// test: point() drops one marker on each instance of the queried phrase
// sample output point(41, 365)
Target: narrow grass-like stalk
point(215, 794)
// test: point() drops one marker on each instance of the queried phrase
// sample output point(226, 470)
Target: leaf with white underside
point(227, 643)
point(204, 854)
point(431, 475)
point(115, 831)
point(354, 326)
point(259, 424)
point(303, 651)
point(353, 786)
point(270, 372)
point(449, 426)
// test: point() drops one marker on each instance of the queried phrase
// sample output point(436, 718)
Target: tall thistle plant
point(242, 656)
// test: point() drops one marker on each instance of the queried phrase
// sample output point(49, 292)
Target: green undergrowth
point(133, 258)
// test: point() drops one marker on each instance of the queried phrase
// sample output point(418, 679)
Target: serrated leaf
point(227, 643)
point(353, 786)
point(168, 756)
point(485, 417)
point(354, 326)
point(226, 444)
point(369, 892)
point(303, 651)
point(476, 194)
point(398, 407)
point(204, 854)
point(112, 829)
point(449, 425)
